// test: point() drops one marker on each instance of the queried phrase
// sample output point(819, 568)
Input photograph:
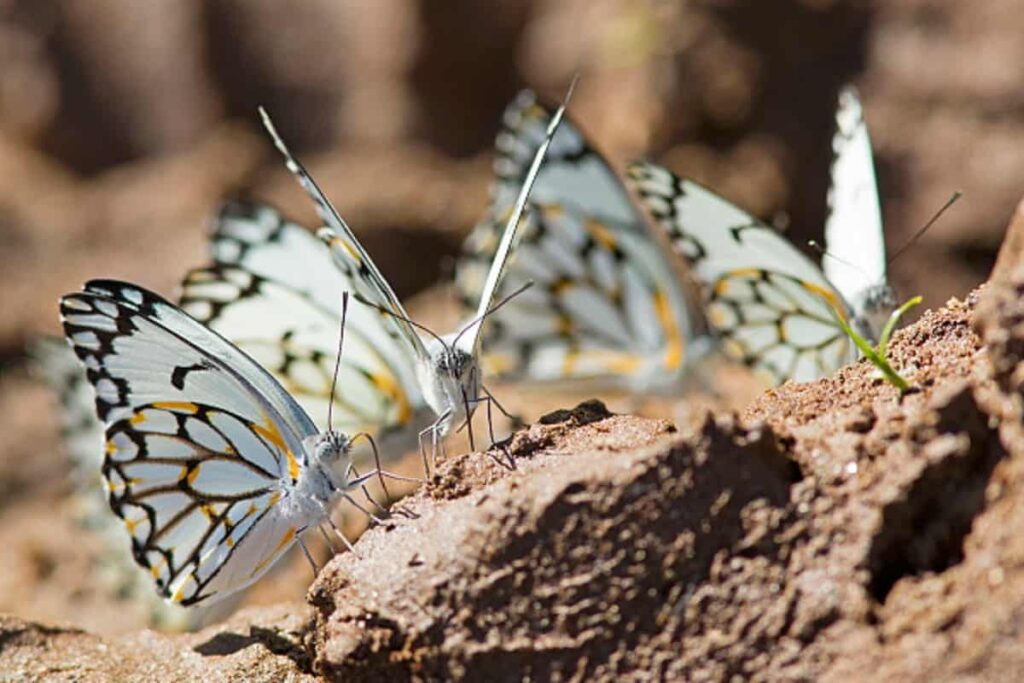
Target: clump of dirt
point(577, 561)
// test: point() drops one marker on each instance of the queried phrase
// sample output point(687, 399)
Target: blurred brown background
point(122, 124)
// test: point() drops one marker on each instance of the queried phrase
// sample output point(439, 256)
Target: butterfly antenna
point(337, 362)
point(813, 244)
point(405, 319)
point(953, 199)
point(493, 309)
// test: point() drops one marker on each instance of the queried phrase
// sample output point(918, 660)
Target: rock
point(579, 562)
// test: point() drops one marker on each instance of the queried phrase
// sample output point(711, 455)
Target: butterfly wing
point(82, 433)
point(274, 292)
point(853, 231)
point(607, 306)
point(771, 305)
point(202, 445)
point(499, 263)
point(368, 284)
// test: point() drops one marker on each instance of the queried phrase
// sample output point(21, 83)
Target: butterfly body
point(446, 371)
point(447, 368)
point(450, 379)
point(328, 475)
point(872, 307)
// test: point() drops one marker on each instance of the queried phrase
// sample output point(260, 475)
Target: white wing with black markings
point(203, 447)
point(607, 306)
point(770, 305)
point(274, 291)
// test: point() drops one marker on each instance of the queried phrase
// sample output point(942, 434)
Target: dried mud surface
point(831, 528)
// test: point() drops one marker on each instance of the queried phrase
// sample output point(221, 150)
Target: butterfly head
point(330, 451)
point(452, 380)
point(872, 309)
point(330, 447)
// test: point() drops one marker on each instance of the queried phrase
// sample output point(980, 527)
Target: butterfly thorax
point(450, 379)
point(872, 308)
point(327, 473)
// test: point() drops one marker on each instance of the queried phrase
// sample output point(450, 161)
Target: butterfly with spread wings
point(772, 307)
point(608, 308)
point(272, 290)
point(213, 467)
point(447, 367)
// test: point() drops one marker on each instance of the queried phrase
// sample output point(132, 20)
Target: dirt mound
point(832, 528)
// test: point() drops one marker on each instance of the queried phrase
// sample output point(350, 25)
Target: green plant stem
point(890, 324)
point(878, 356)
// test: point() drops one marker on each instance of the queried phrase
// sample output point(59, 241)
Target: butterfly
point(608, 308)
point(447, 367)
point(772, 307)
point(272, 290)
point(213, 467)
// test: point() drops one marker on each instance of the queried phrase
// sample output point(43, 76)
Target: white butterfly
point(212, 465)
point(446, 366)
point(773, 307)
point(608, 308)
point(272, 290)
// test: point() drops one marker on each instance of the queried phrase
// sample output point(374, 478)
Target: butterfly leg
point(435, 443)
point(436, 438)
point(376, 462)
point(489, 400)
point(337, 531)
point(327, 538)
point(511, 461)
point(309, 557)
point(492, 402)
point(352, 501)
point(515, 419)
point(366, 493)
point(469, 420)
point(423, 450)
point(439, 441)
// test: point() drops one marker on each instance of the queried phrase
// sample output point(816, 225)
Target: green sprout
point(878, 354)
